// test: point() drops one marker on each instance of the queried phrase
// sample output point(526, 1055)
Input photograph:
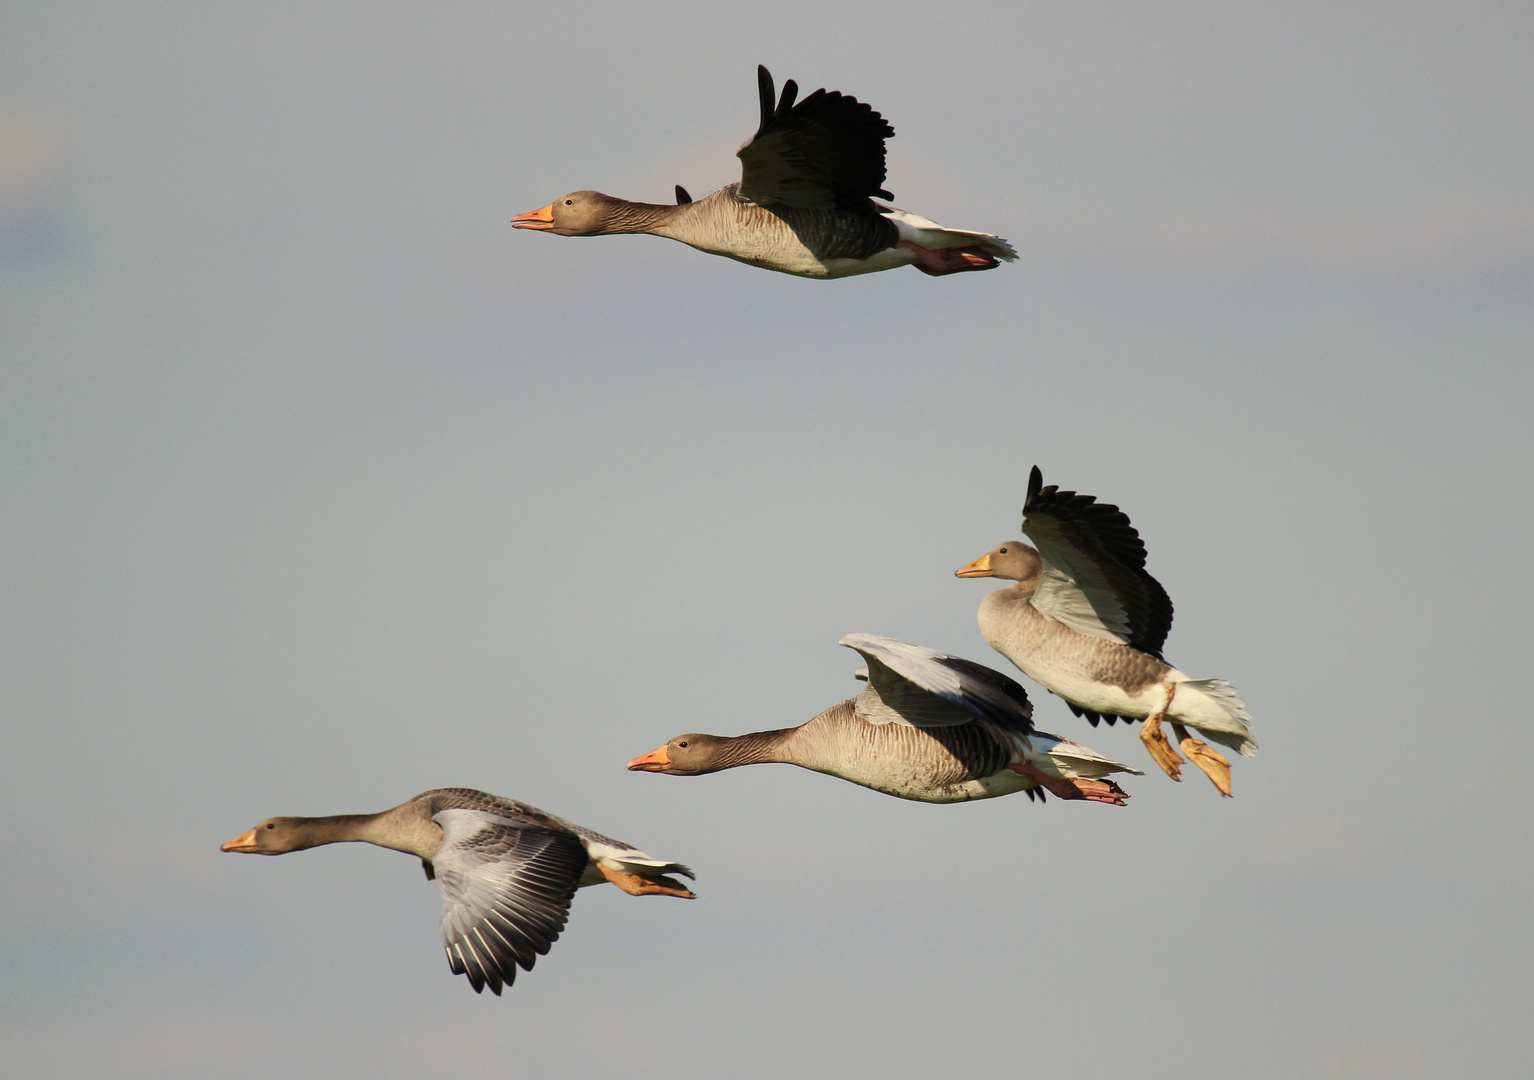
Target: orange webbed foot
point(1216, 765)
point(1073, 787)
point(639, 885)
point(1160, 748)
point(937, 262)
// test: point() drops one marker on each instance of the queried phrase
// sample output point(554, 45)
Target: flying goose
point(928, 726)
point(804, 204)
point(508, 871)
point(1087, 622)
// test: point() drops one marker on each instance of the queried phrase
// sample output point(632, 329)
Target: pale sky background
point(322, 486)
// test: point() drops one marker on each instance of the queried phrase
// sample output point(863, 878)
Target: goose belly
point(786, 258)
point(938, 765)
point(1094, 673)
point(888, 259)
point(923, 788)
point(783, 251)
point(1092, 692)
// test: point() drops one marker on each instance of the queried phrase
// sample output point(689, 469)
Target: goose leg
point(935, 262)
point(637, 885)
point(1216, 765)
point(1072, 787)
point(1157, 743)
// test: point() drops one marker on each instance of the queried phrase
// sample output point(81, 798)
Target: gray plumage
point(1088, 622)
point(508, 871)
point(928, 727)
point(803, 205)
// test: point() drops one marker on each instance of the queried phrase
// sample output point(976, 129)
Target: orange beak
point(981, 567)
point(652, 762)
point(541, 218)
point(246, 841)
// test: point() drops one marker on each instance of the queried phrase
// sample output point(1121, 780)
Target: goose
point(508, 871)
point(804, 204)
point(1087, 622)
point(928, 727)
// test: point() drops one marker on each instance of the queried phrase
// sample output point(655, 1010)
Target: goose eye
point(271, 824)
point(682, 743)
point(569, 202)
point(1001, 551)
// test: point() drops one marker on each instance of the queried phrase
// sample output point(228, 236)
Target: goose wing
point(921, 687)
point(826, 151)
point(1094, 578)
point(506, 891)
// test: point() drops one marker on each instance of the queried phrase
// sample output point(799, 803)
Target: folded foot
point(935, 262)
point(1160, 748)
point(1216, 765)
point(637, 885)
point(1072, 787)
point(1103, 791)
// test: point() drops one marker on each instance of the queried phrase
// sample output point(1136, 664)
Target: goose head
point(1014, 561)
point(685, 755)
point(580, 213)
point(274, 836)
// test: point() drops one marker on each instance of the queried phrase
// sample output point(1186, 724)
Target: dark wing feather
point(506, 892)
point(1093, 716)
point(915, 685)
point(1095, 578)
point(825, 152)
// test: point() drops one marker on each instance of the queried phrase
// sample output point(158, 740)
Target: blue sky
point(323, 486)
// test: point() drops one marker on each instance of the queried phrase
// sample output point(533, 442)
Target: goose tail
point(929, 234)
point(1211, 705)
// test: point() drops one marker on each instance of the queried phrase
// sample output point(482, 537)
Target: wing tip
point(1035, 484)
point(765, 94)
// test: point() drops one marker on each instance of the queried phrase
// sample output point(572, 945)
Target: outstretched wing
point(921, 687)
point(824, 152)
point(506, 891)
point(1094, 578)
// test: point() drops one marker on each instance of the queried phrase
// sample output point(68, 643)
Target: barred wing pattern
point(506, 892)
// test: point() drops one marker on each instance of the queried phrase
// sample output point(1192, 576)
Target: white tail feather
point(1236, 733)
point(930, 234)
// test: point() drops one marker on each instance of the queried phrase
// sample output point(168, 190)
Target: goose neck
point(634, 217)
point(404, 828)
point(754, 748)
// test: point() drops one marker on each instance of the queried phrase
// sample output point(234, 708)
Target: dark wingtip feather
point(766, 93)
point(790, 92)
point(682, 198)
point(1035, 482)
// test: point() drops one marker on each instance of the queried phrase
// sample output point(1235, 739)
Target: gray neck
point(405, 828)
point(753, 748)
point(634, 217)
